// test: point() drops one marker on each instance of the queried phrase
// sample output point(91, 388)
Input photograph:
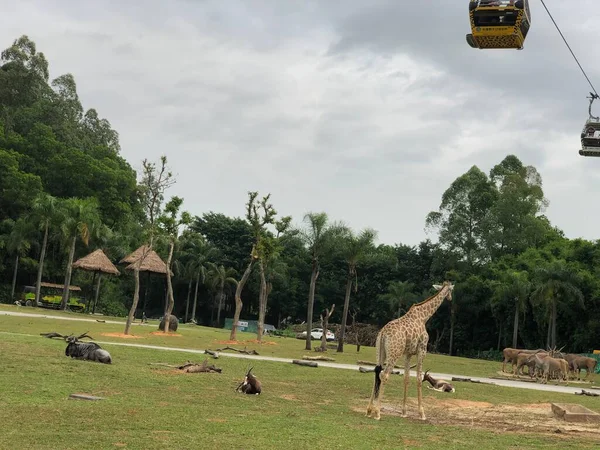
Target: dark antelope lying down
point(250, 385)
point(437, 385)
point(87, 350)
point(82, 350)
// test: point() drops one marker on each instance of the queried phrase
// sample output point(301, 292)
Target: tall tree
point(219, 277)
point(17, 242)
point(555, 284)
point(318, 235)
point(464, 218)
point(81, 219)
point(354, 248)
point(516, 221)
point(44, 214)
point(171, 223)
point(514, 288)
point(152, 189)
point(399, 296)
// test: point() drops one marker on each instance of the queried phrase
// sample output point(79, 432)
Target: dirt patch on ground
point(250, 341)
point(121, 335)
point(289, 397)
point(536, 418)
point(162, 333)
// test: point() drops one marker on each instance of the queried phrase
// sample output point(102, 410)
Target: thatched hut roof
point(96, 261)
point(151, 262)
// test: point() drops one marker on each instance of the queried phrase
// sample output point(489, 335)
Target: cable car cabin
point(498, 23)
point(590, 138)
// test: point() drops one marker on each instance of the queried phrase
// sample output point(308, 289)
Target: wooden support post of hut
point(151, 263)
point(98, 263)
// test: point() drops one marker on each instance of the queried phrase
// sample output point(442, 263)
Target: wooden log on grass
point(468, 380)
point(365, 370)
point(584, 392)
point(369, 363)
point(245, 352)
point(318, 358)
point(305, 363)
point(211, 353)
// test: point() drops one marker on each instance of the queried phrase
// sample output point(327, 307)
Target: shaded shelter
point(96, 262)
point(149, 262)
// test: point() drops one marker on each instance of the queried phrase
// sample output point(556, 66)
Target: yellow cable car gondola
point(498, 23)
point(590, 135)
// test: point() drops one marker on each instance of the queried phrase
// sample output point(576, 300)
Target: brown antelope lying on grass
point(437, 385)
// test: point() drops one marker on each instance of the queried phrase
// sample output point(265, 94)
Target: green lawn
point(196, 337)
point(149, 406)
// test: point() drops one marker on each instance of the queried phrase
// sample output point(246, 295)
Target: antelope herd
point(547, 364)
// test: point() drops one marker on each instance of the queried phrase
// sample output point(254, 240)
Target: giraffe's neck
point(426, 309)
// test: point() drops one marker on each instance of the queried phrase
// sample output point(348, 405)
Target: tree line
point(65, 191)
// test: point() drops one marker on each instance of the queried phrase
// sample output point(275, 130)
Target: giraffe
point(406, 336)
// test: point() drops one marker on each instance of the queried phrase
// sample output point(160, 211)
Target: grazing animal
point(87, 351)
point(584, 362)
point(511, 356)
point(406, 336)
point(250, 385)
point(438, 385)
point(549, 364)
point(525, 360)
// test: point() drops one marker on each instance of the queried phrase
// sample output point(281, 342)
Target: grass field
point(148, 406)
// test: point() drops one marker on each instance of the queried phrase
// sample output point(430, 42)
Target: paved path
point(79, 319)
point(507, 383)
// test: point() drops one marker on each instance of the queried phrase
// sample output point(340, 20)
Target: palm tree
point(44, 214)
point(318, 236)
point(514, 287)
point(354, 249)
point(81, 220)
point(199, 253)
point(218, 278)
point(17, 243)
point(399, 295)
point(555, 283)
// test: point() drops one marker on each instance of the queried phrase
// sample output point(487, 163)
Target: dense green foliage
point(62, 180)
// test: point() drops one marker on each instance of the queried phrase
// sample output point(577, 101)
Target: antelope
point(250, 385)
point(437, 385)
point(584, 362)
point(549, 364)
point(87, 351)
point(511, 354)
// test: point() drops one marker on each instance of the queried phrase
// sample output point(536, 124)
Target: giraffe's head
point(439, 287)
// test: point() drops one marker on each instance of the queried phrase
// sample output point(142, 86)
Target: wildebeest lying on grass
point(82, 350)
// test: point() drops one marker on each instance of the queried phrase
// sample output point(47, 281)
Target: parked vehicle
point(317, 334)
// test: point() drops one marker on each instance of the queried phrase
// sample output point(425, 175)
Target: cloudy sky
point(365, 109)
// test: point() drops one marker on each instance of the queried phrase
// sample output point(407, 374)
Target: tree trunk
point(14, 279)
point(170, 298)
point(195, 296)
point(549, 332)
point(38, 283)
point(97, 292)
point(262, 302)
point(499, 336)
point(65, 298)
point(221, 298)
point(452, 314)
point(554, 323)
point(311, 302)
point(90, 302)
point(187, 300)
point(324, 324)
point(146, 287)
point(136, 297)
point(340, 348)
point(238, 301)
point(516, 325)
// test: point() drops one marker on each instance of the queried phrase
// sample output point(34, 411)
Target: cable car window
point(524, 27)
point(495, 18)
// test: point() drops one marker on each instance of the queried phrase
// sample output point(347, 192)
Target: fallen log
point(305, 363)
point(318, 358)
point(365, 370)
point(191, 367)
point(584, 392)
point(369, 363)
point(245, 352)
point(468, 380)
point(211, 353)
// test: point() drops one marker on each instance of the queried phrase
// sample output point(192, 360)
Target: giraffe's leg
point(384, 378)
point(420, 358)
point(406, 381)
point(375, 391)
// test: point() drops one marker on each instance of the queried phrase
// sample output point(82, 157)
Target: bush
point(5, 294)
